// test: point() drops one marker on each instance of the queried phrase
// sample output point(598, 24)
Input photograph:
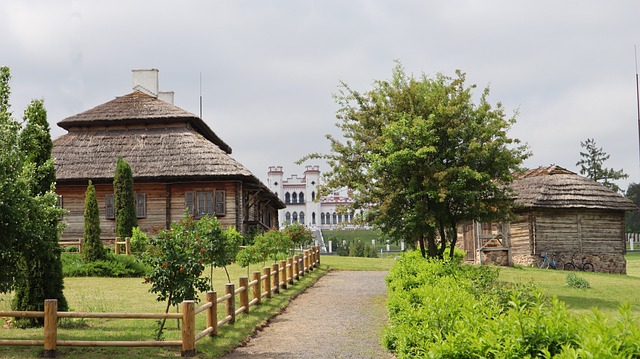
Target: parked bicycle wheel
point(588, 267)
point(558, 264)
point(569, 266)
point(543, 263)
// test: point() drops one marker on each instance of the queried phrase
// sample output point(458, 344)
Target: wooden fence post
point(301, 264)
point(80, 241)
point(230, 304)
point(212, 313)
point(188, 329)
point(317, 255)
point(296, 267)
point(127, 246)
point(290, 269)
point(276, 278)
point(307, 261)
point(257, 291)
point(244, 295)
point(266, 271)
point(50, 327)
point(116, 248)
point(283, 270)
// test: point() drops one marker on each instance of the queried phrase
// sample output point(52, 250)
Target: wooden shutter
point(189, 203)
point(109, 207)
point(220, 206)
point(141, 205)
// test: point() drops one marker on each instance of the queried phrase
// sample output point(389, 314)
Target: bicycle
point(584, 266)
point(554, 262)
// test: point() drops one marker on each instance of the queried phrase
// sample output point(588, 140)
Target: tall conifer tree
point(92, 248)
point(124, 199)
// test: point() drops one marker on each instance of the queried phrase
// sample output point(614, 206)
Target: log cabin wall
point(521, 231)
point(596, 235)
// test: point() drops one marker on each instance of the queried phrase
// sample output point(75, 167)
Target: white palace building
point(300, 194)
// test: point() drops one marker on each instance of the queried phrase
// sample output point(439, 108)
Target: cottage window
point(141, 205)
point(110, 212)
point(203, 203)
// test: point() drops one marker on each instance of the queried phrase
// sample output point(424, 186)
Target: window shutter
point(220, 204)
point(60, 206)
point(109, 208)
point(189, 203)
point(141, 205)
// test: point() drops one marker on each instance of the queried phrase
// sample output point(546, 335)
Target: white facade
point(303, 205)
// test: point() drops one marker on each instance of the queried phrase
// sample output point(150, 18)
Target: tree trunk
point(164, 320)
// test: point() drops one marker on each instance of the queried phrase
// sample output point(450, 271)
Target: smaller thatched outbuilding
point(558, 211)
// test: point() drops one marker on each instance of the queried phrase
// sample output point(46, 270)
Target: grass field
point(607, 291)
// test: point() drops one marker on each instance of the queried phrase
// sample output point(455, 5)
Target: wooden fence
point(263, 285)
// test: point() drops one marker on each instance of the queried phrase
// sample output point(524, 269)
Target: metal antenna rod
point(637, 95)
point(201, 99)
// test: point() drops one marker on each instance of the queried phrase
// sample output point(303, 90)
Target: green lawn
point(607, 291)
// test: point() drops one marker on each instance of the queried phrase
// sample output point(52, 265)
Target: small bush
point(114, 266)
point(576, 281)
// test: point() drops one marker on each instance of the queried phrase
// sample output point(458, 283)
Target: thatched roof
point(160, 141)
point(139, 108)
point(556, 187)
point(153, 153)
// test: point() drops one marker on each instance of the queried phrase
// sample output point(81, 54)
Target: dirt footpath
point(341, 316)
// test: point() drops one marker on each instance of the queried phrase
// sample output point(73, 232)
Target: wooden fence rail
point(272, 279)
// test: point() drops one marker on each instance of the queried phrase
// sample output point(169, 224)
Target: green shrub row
point(113, 266)
point(445, 309)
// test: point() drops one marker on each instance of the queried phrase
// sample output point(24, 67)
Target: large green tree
point(422, 156)
point(592, 165)
point(632, 219)
point(124, 199)
point(29, 250)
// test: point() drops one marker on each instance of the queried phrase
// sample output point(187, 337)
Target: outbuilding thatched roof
point(139, 108)
point(556, 187)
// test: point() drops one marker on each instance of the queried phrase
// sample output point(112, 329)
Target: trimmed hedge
point(445, 309)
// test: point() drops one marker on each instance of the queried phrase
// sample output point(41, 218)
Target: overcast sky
point(269, 68)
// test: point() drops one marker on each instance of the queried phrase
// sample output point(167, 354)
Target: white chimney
point(146, 81)
point(166, 96)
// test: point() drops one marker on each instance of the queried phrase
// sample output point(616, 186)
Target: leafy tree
point(421, 157)
point(176, 258)
point(247, 256)
point(592, 165)
point(29, 252)
point(92, 248)
point(632, 219)
point(124, 199)
point(298, 235)
point(220, 246)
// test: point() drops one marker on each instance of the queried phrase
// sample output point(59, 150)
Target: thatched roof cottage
point(177, 161)
point(559, 211)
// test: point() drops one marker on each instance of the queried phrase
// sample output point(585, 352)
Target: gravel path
point(341, 316)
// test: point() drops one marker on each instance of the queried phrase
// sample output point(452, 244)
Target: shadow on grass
point(587, 303)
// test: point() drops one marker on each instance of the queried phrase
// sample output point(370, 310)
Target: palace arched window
point(301, 217)
point(287, 198)
point(322, 218)
point(295, 217)
point(313, 218)
point(313, 196)
point(340, 218)
point(287, 218)
point(301, 198)
point(294, 197)
point(335, 218)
